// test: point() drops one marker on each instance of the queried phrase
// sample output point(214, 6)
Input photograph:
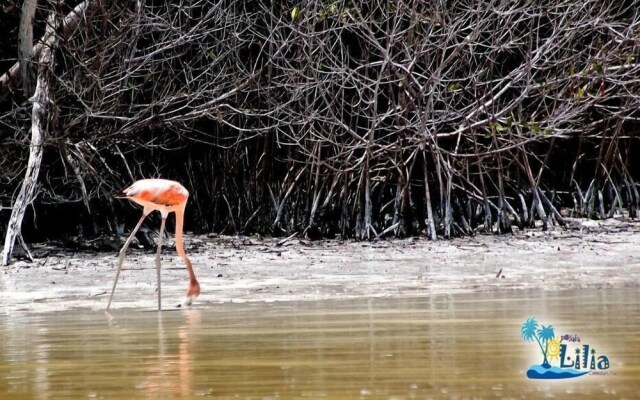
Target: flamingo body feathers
point(157, 194)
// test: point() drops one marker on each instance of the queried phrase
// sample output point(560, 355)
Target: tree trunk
point(39, 118)
point(25, 43)
point(431, 226)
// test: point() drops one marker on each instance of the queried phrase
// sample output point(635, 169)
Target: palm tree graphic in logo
point(542, 335)
point(549, 346)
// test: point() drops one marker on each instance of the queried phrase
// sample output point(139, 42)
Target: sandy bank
point(231, 269)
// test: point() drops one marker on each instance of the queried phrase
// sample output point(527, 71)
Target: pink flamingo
point(165, 196)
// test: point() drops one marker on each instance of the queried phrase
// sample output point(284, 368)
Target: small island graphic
point(551, 348)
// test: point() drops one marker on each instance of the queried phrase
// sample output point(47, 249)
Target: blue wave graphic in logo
point(540, 372)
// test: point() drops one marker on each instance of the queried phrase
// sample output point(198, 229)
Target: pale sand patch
point(591, 254)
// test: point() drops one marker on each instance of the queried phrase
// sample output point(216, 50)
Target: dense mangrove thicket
point(352, 118)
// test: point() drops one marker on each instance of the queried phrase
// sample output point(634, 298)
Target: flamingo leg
point(122, 254)
point(164, 219)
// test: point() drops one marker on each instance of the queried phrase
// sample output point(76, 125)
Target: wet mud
point(587, 254)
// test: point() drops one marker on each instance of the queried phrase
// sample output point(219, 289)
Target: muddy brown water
point(462, 346)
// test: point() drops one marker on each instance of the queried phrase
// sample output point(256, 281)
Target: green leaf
point(497, 127)
point(596, 67)
point(534, 127)
point(295, 13)
point(580, 93)
point(453, 87)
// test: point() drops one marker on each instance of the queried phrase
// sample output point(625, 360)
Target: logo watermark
point(564, 356)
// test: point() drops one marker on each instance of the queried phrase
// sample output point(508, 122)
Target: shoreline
point(588, 254)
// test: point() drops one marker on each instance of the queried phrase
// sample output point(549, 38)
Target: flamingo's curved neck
point(180, 244)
